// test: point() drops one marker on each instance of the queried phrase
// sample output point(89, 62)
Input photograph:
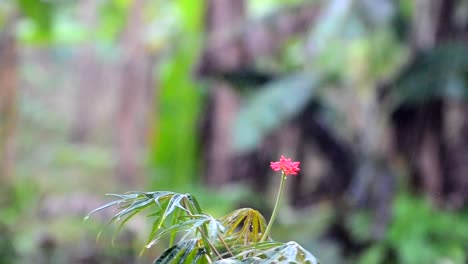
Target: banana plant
point(241, 236)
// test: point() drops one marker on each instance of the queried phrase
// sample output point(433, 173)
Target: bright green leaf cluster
point(196, 237)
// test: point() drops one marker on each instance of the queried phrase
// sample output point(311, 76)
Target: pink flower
point(286, 165)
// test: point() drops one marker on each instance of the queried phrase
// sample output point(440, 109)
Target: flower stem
point(275, 209)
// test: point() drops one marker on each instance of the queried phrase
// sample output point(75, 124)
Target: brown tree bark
point(133, 74)
point(222, 15)
point(242, 41)
point(457, 145)
point(433, 144)
point(455, 184)
point(334, 156)
point(88, 74)
point(8, 89)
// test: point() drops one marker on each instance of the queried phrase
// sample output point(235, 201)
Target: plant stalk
point(275, 209)
point(204, 236)
point(225, 245)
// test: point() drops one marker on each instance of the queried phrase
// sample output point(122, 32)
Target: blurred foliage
point(418, 233)
point(40, 15)
point(15, 213)
point(90, 158)
point(7, 249)
point(442, 71)
point(421, 234)
point(113, 16)
point(353, 46)
point(21, 197)
point(173, 155)
point(351, 49)
point(261, 8)
point(270, 107)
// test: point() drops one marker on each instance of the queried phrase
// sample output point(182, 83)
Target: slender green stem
point(209, 243)
point(225, 245)
point(275, 209)
point(208, 259)
point(202, 232)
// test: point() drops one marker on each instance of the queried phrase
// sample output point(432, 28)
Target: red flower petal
point(286, 165)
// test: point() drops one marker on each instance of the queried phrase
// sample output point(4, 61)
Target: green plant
point(241, 236)
point(418, 234)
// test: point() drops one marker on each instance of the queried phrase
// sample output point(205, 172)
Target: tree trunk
point(133, 86)
point(8, 87)
point(222, 15)
point(88, 75)
point(237, 42)
point(457, 186)
point(435, 146)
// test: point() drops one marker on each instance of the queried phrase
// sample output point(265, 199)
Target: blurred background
point(108, 96)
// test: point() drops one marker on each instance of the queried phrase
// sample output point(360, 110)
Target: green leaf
point(125, 198)
point(232, 261)
point(243, 227)
point(179, 210)
point(190, 246)
point(271, 107)
point(179, 253)
point(174, 202)
point(197, 257)
point(102, 208)
point(194, 204)
point(137, 205)
point(238, 232)
point(175, 219)
point(193, 225)
point(290, 252)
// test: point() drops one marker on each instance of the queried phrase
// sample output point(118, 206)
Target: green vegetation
point(417, 234)
point(238, 237)
point(195, 96)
